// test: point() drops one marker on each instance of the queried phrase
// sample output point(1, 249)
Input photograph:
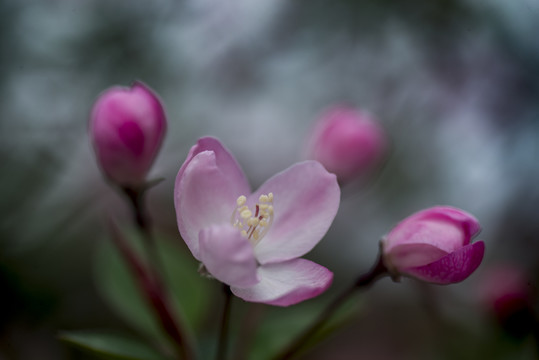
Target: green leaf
point(281, 326)
point(110, 345)
point(190, 293)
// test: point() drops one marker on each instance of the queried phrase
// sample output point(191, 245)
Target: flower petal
point(445, 227)
point(451, 268)
point(205, 194)
point(306, 200)
point(224, 159)
point(287, 283)
point(228, 256)
point(466, 221)
point(412, 255)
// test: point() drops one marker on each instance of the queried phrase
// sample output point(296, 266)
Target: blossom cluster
point(254, 241)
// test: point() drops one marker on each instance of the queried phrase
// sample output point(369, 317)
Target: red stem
point(155, 296)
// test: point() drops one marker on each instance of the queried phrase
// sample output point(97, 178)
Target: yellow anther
point(251, 226)
point(253, 221)
point(241, 200)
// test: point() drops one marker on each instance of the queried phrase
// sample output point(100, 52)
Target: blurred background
point(455, 83)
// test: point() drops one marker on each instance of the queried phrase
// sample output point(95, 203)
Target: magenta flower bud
point(127, 126)
point(505, 292)
point(348, 142)
point(434, 245)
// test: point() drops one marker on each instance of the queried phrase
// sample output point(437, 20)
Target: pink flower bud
point(127, 126)
point(504, 290)
point(434, 245)
point(347, 142)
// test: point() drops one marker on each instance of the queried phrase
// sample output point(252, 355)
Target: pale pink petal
point(306, 200)
point(228, 256)
point(466, 221)
point(412, 255)
point(287, 283)
point(224, 159)
point(451, 268)
point(442, 226)
point(205, 194)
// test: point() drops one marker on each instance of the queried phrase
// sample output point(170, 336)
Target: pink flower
point(434, 245)
point(127, 126)
point(348, 142)
point(253, 241)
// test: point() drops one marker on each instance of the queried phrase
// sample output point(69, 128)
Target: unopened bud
point(127, 126)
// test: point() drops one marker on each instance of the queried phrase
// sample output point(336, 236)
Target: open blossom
point(127, 126)
point(348, 142)
point(434, 245)
point(253, 241)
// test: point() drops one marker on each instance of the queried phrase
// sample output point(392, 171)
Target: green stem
point(364, 281)
point(223, 334)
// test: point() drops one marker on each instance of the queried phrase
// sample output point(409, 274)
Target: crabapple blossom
point(505, 290)
point(253, 241)
point(434, 245)
point(347, 141)
point(127, 126)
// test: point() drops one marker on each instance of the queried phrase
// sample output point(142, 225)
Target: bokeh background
point(455, 83)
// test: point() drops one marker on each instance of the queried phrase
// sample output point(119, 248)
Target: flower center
point(253, 223)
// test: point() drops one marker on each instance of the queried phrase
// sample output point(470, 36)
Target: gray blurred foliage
point(454, 82)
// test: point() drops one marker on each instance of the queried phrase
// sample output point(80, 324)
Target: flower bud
point(127, 126)
point(505, 292)
point(434, 245)
point(348, 142)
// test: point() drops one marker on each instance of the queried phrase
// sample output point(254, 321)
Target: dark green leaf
point(111, 346)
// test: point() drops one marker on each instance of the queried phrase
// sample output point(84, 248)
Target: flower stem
point(154, 284)
point(247, 331)
point(223, 335)
point(154, 296)
point(138, 206)
point(364, 281)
